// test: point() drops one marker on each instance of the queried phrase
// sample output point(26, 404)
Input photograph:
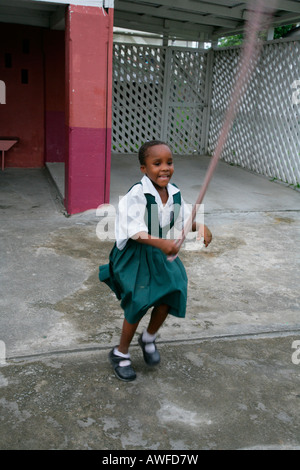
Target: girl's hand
point(169, 247)
point(205, 233)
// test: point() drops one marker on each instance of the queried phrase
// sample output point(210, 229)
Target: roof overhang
point(184, 19)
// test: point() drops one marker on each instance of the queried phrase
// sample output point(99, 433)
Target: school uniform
point(140, 275)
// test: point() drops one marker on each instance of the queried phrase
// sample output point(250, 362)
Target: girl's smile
point(159, 166)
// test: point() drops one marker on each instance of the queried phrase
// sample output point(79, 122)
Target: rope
point(260, 17)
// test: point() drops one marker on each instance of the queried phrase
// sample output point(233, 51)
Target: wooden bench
point(5, 144)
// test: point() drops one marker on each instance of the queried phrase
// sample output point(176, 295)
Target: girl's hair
point(145, 147)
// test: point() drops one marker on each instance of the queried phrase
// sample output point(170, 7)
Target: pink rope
point(259, 19)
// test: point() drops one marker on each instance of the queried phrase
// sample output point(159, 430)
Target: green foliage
point(231, 41)
point(237, 39)
point(282, 30)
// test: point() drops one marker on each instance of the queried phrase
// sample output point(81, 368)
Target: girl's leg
point(120, 357)
point(147, 338)
point(158, 316)
point(128, 331)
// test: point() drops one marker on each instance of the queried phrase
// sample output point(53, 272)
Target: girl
point(139, 272)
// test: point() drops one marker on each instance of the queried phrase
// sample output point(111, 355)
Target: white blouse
point(131, 211)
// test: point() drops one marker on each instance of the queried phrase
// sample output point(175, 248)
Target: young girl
point(139, 272)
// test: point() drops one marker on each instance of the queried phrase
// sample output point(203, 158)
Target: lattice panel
point(266, 133)
point(138, 74)
point(158, 94)
point(185, 100)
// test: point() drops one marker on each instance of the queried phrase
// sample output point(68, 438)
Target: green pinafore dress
point(141, 275)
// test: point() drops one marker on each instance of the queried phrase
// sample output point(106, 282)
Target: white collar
point(149, 188)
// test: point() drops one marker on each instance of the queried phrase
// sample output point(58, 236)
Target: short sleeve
point(130, 217)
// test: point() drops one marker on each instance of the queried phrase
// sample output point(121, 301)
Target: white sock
point(149, 339)
point(126, 357)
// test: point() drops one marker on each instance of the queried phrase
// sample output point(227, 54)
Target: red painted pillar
point(89, 39)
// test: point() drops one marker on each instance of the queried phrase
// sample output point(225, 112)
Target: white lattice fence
point(138, 75)
point(163, 93)
point(185, 99)
point(158, 94)
point(266, 134)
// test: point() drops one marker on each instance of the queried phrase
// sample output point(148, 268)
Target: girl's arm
point(169, 247)
point(203, 231)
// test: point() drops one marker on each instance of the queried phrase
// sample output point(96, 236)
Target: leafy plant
point(237, 39)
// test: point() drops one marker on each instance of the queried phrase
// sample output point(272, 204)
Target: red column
point(89, 39)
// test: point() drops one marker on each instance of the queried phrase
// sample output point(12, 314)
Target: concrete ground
point(230, 372)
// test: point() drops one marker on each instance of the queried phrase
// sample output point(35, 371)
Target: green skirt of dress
point(142, 277)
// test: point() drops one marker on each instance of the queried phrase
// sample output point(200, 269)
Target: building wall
point(22, 116)
point(54, 62)
point(32, 68)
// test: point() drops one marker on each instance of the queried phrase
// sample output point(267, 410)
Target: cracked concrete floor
point(226, 367)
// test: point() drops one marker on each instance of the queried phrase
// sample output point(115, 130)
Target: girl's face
point(159, 165)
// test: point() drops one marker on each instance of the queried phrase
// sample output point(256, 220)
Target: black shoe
point(152, 359)
point(125, 373)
